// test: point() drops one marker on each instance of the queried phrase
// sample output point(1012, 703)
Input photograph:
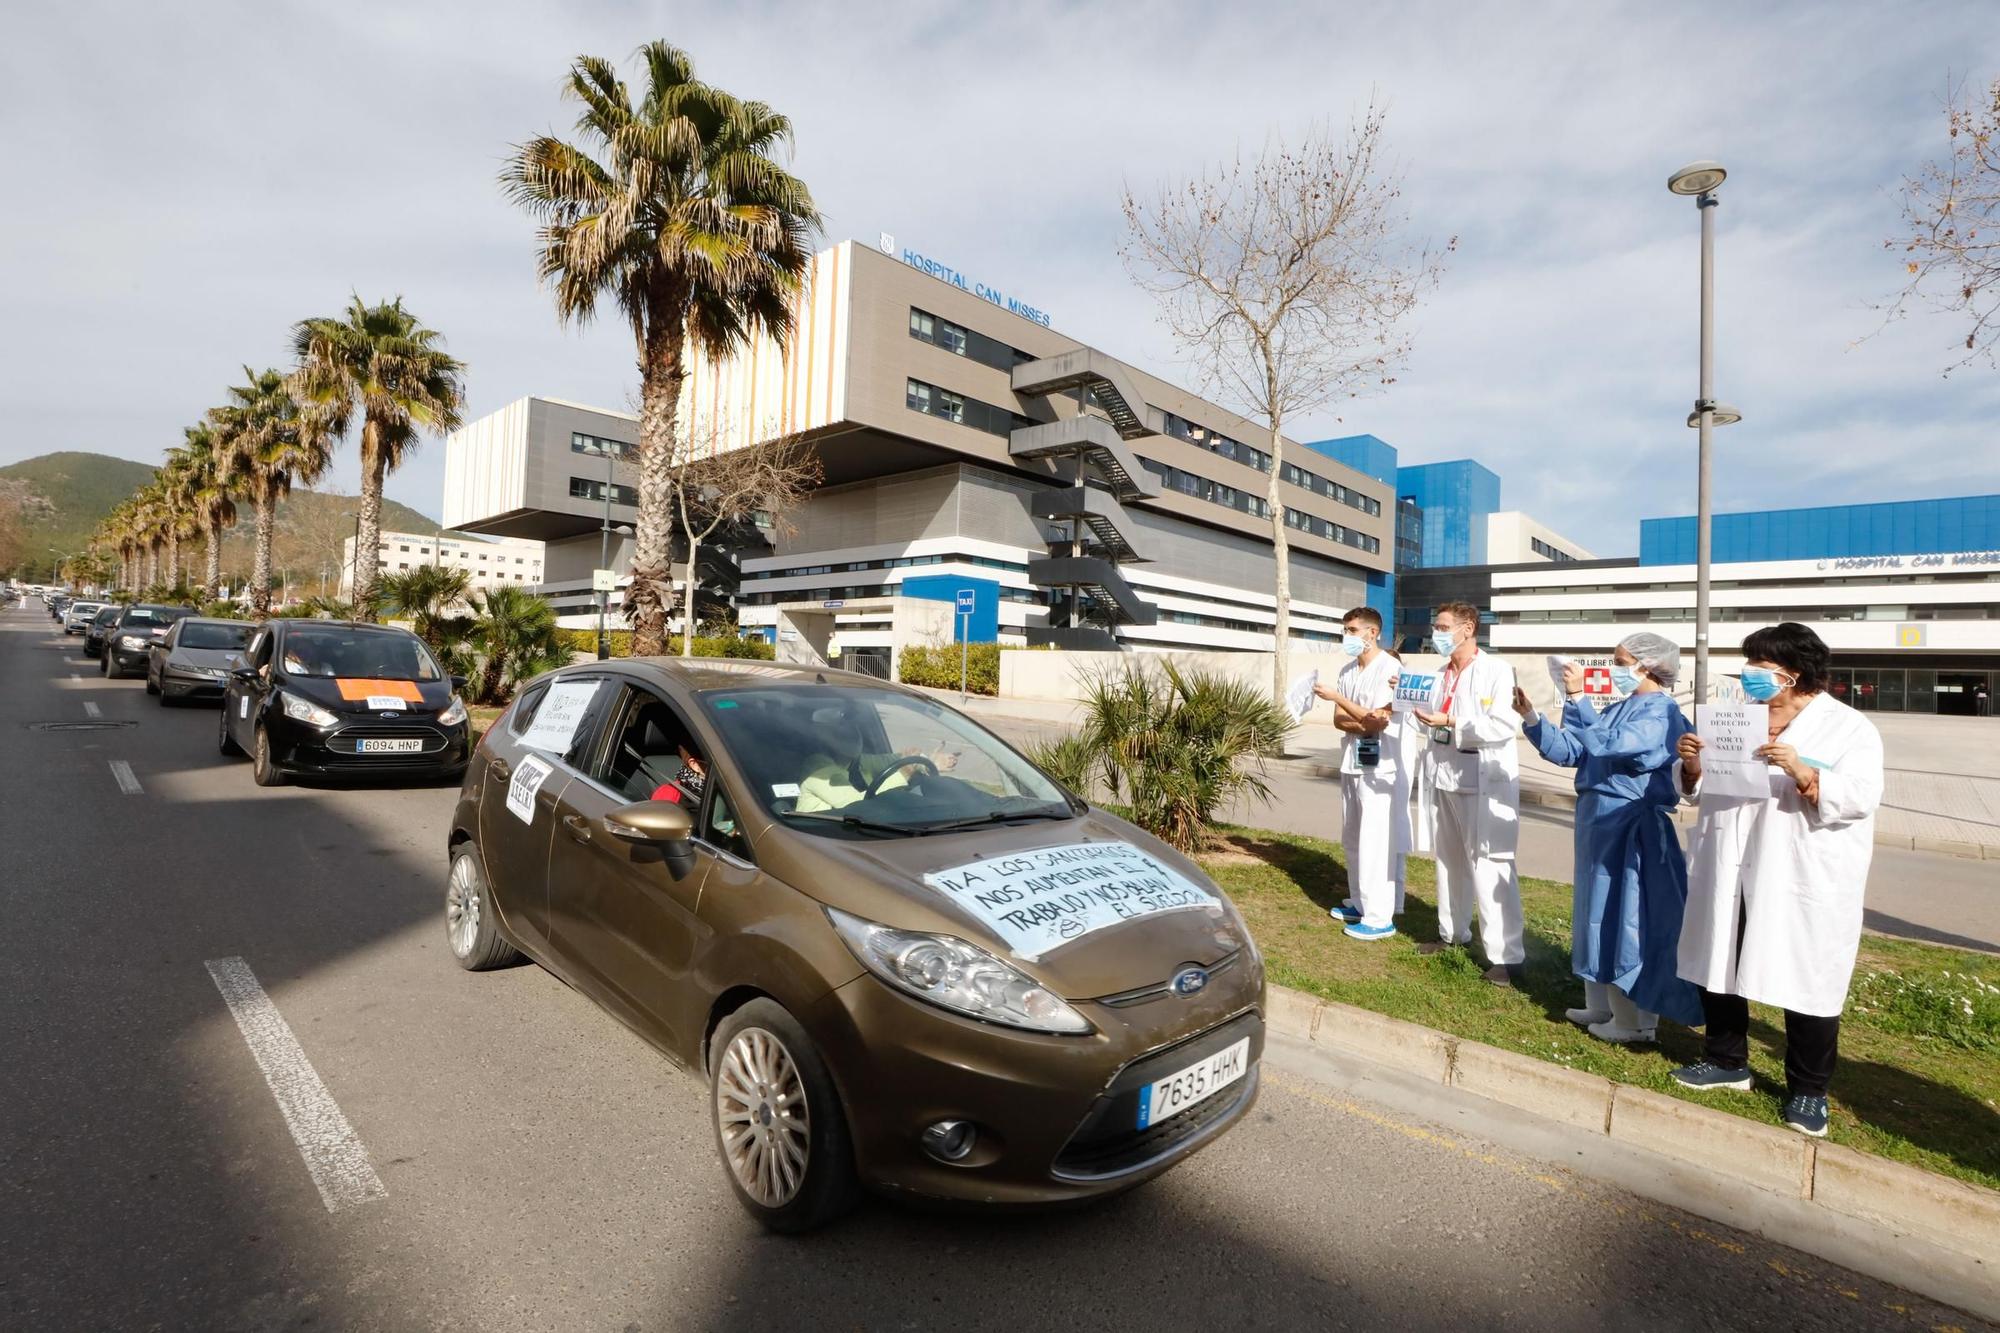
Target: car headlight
point(133, 642)
point(304, 710)
point(954, 975)
point(454, 712)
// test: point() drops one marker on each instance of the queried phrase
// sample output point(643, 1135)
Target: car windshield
point(228, 637)
point(144, 616)
point(108, 615)
point(856, 761)
point(358, 654)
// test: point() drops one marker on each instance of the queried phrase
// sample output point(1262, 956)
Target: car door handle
point(499, 770)
point(578, 826)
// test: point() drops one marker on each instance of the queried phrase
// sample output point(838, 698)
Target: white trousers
point(1465, 879)
point(1368, 836)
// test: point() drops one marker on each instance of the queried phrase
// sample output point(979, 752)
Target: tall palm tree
point(213, 484)
point(146, 523)
point(684, 218)
point(273, 444)
point(517, 632)
point(381, 362)
point(178, 521)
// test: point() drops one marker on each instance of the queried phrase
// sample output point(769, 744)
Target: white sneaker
point(1584, 1018)
point(1608, 1031)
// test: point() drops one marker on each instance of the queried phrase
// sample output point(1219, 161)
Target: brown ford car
point(902, 956)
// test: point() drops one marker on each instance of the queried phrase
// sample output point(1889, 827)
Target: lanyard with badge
point(1442, 734)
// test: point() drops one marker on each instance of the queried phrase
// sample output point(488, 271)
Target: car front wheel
point(152, 682)
point(778, 1120)
point(229, 748)
point(264, 769)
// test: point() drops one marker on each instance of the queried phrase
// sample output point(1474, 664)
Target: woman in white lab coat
point(1775, 883)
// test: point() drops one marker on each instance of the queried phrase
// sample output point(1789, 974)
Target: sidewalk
point(1955, 813)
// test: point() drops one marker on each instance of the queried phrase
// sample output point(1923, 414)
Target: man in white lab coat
point(1371, 835)
point(1469, 795)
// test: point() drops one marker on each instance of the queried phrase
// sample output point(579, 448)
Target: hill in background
point(62, 498)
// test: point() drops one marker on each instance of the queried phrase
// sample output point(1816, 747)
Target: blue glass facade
point(1367, 454)
point(1904, 527)
point(1455, 498)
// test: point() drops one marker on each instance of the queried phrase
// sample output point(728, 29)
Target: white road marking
point(128, 781)
point(74, 676)
point(333, 1155)
point(91, 709)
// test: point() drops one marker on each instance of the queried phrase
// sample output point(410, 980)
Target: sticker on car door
point(1043, 899)
point(529, 775)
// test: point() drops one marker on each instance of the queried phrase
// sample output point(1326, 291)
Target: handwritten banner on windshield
point(1041, 900)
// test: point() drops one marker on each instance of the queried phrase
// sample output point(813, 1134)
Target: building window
point(596, 444)
point(1548, 552)
point(404, 549)
point(961, 341)
point(583, 488)
point(956, 407)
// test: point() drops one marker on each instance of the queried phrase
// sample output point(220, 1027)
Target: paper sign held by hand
point(1299, 698)
point(1414, 690)
point(1730, 735)
point(559, 716)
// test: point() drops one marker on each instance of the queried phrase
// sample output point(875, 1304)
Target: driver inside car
point(841, 773)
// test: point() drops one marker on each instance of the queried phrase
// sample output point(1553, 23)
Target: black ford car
point(128, 644)
point(334, 699)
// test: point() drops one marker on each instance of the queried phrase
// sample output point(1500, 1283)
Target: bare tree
point(1285, 278)
point(1951, 219)
point(717, 487)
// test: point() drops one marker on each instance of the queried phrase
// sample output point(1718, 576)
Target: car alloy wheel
point(761, 1111)
point(461, 906)
point(470, 926)
point(223, 741)
point(263, 770)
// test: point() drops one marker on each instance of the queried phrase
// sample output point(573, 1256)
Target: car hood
point(1088, 907)
point(342, 694)
point(225, 658)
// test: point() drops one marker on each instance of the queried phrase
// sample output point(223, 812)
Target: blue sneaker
point(1347, 912)
point(1357, 931)
point(1807, 1115)
point(1709, 1077)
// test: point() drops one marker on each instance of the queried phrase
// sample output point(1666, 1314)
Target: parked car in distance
point(902, 956)
point(128, 643)
point(58, 605)
point(79, 615)
point(193, 659)
point(100, 625)
point(331, 698)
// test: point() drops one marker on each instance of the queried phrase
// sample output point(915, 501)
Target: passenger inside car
point(656, 758)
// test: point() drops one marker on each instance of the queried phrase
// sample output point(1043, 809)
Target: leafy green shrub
point(1176, 744)
point(938, 667)
point(718, 645)
point(1070, 760)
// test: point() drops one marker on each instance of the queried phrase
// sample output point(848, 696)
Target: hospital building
point(969, 447)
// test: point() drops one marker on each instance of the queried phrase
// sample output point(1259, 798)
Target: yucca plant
point(516, 632)
point(1177, 746)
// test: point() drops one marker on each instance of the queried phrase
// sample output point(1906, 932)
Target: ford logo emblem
point(1189, 981)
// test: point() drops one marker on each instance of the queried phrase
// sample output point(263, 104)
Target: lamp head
point(1720, 414)
point(1697, 178)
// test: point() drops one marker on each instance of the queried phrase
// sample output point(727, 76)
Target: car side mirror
point(662, 824)
point(244, 674)
point(457, 681)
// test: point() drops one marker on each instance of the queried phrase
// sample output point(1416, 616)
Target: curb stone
point(1951, 1214)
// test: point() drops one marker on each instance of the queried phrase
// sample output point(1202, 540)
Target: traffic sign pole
point(965, 604)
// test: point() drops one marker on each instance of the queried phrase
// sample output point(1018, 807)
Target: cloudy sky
point(189, 179)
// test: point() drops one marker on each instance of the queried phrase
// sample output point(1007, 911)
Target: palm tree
point(378, 360)
point(212, 491)
point(147, 530)
point(273, 445)
point(517, 632)
point(433, 597)
point(685, 219)
point(178, 521)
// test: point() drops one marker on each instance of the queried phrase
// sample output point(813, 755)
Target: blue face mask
point(1353, 644)
point(1624, 680)
point(1761, 684)
point(1442, 642)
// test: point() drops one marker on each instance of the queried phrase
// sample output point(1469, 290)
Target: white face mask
point(1353, 645)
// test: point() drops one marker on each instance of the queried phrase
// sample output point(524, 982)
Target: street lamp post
point(604, 547)
point(1701, 180)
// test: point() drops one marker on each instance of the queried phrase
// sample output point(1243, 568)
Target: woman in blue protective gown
point(1631, 878)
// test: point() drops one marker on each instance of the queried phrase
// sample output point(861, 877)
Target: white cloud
point(201, 177)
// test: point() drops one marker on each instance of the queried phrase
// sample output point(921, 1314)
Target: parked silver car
point(192, 660)
point(78, 615)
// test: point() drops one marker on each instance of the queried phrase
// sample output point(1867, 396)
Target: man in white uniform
point(1370, 833)
point(1469, 795)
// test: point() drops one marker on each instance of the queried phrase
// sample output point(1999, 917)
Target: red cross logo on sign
point(1597, 680)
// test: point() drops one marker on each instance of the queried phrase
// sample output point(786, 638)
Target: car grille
point(346, 742)
point(1161, 989)
point(1107, 1142)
